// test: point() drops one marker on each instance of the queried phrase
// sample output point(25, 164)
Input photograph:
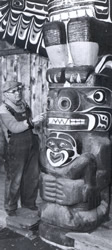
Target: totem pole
point(76, 156)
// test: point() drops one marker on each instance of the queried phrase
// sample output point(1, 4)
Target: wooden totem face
point(76, 157)
point(79, 109)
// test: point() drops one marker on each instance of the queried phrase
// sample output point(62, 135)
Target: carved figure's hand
point(48, 187)
point(60, 190)
point(69, 192)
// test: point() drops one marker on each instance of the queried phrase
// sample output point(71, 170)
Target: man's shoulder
point(3, 109)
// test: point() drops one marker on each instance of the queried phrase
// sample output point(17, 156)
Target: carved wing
point(21, 22)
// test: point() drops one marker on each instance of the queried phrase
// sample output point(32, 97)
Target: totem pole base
point(55, 236)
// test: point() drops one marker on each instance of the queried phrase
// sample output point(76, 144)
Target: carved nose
point(56, 149)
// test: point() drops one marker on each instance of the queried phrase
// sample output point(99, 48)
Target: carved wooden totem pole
point(76, 156)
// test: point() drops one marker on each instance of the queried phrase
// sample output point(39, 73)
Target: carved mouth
point(73, 14)
point(74, 9)
point(81, 122)
point(57, 159)
point(66, 121)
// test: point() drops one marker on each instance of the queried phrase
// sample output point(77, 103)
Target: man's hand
point(39, 118)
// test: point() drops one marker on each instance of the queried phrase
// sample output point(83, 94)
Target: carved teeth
point(72, 14)
point(66, 121)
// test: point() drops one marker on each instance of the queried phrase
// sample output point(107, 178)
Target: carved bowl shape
point(55, 42)
point(84, 53)
point(83, 48)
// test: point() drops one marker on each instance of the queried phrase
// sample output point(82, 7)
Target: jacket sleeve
point(11, 123)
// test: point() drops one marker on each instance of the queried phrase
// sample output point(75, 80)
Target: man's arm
point(11, 123)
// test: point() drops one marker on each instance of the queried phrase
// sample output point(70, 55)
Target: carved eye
point(50, 144)
point(63, 144)
point(99, 96)
point(18, 4)
point(64, 103)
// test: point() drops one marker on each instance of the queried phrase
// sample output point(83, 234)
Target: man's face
point(14, 95)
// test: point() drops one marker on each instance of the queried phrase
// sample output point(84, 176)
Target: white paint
point(57, 245)
point(63, 157)
point(92, 122)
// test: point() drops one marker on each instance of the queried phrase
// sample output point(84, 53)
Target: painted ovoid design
point(21, 22)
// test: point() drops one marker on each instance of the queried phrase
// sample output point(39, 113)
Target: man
point(21, 154)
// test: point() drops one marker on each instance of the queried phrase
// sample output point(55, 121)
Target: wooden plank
point(89, 241)
point(38, 81)
point(44, 94)
point(84, 246)
point(12, 68)
point(33, 81)
point(4, 69)
point(45, 87)
point(24, 75)
point(104, 233)
point(18, 68)
point(39, 90)
point(26, 233)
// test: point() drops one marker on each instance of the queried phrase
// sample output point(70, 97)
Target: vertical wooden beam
point(33, 82)
point(4, 71)
point(38, 84)
point(12, 68)
point(24, 75)
point(44, 63)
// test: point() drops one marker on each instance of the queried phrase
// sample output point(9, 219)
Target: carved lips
point(57, 159)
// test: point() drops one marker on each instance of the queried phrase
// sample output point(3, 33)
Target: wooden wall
point(30, 69)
